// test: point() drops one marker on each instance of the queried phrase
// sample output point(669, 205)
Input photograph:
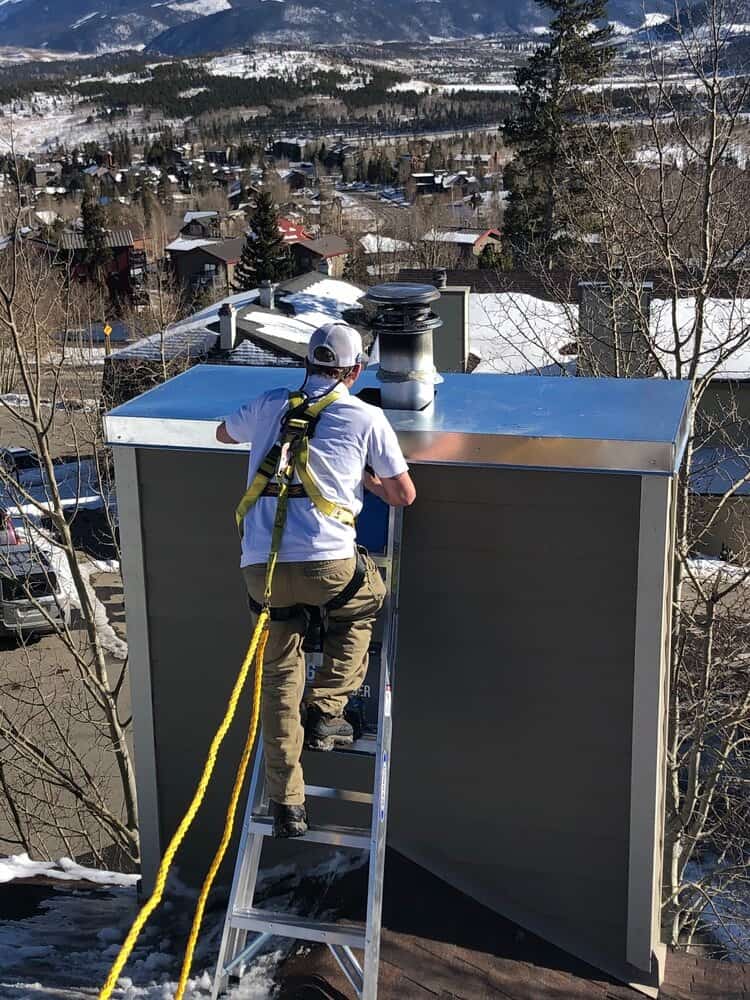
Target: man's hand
point(396, 491)
point(223, 435)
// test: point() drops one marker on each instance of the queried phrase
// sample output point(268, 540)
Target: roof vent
point(266, 294)
point(404, 322)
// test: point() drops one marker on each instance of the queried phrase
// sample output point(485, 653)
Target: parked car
point(31, 599)
point(22, 465)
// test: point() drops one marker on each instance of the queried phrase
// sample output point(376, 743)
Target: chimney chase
point(227, 327)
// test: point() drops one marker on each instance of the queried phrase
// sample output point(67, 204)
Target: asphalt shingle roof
point(113, 239)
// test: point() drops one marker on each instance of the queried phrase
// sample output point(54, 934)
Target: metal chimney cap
point(402, 293)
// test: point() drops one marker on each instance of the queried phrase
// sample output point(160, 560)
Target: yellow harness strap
point(295, 436)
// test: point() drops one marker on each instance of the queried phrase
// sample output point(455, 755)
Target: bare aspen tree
point(66, 781)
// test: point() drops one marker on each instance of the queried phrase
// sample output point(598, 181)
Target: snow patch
point(83, 20)
point(201, 7)
point(21, 866)
point(653, 20)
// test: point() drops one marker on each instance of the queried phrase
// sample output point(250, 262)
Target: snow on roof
point(725, 346)
point(329, 296)
point(277, 327)
point(451, 236)
point(374, 243)
point(191, 216)
point(520, 334)
point(182, 245)
point(210, 314)
point(516, 334)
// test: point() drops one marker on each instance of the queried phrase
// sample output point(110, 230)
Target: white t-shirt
point(349, 435)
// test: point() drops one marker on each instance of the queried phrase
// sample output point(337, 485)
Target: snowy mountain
point(96, 25)
point(185, 27)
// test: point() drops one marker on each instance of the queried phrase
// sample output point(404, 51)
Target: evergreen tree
point(575, 55)
point(94, 236)
point(264, 255)
point(491, 259)
point(164, 192)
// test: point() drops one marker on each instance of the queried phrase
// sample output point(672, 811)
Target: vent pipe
point(227, 327)
point(403, 323)
point(266, 297)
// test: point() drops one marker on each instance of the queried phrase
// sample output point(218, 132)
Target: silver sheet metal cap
point(336, 345)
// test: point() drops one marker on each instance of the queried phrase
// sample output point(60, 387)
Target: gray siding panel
point(513, 696)
point(199, 631)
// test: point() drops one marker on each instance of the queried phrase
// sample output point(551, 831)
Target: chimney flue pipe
point(266, 294)
point(404, 322)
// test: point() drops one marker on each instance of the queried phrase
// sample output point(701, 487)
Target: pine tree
point(575, 55)
point(94, 236)
point(264, 255)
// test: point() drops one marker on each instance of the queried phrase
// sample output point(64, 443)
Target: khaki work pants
point(345, 656)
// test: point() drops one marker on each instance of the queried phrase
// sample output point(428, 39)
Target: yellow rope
point(229, 822)
point(166, 862)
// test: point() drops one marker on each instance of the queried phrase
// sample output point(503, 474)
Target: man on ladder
point(340, 439)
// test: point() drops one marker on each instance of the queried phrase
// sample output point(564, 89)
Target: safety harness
point(291, 455)
point(287, 458)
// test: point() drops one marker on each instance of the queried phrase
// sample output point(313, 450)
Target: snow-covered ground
point(20, 866)
point(45, 121)
point(64, 948)
point(260, 64)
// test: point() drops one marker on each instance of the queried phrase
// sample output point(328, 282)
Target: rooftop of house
point(520, 325)
point(273, 337)
point(292, 231)
point(198, 216)
point(438, 942)
point(468, 236)
point(114, 239)
point(326, 246)
point(377, 243)
point(181, 245)
point(226, 250)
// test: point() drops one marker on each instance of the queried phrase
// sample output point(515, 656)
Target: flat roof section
point(636, 426)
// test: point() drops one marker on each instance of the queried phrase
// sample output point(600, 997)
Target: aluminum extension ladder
point(235, 953)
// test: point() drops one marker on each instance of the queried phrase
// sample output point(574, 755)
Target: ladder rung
point(337, 836)
point(366, 746)
point(342, 794)
point(301, 928)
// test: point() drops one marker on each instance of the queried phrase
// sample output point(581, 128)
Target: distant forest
point(180, 90)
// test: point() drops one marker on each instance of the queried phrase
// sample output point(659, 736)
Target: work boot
point(288, 821)
point(324, 732)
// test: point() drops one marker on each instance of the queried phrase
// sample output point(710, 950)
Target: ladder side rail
point(245, 873)
point(382, 769)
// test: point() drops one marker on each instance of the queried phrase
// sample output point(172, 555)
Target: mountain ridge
point(193, 27)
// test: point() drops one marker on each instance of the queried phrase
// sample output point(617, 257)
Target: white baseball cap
point(336, 345)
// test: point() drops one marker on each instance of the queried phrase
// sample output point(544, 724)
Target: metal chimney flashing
point(599, 425)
